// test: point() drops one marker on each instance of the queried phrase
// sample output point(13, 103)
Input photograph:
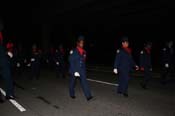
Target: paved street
point(49, 97)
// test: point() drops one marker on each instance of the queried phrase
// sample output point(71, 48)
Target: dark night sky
point(102, 23)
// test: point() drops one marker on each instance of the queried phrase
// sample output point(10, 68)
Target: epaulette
point(118, 51)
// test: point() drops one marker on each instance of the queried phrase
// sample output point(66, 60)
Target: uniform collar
point(128, 50)
point(148, 50)
point(80, 50)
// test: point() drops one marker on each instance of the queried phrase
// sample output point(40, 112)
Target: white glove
point(57, 63)
point(115, 71)
point(137, 68)
point(71, 52)
point(166, 65)
point(10, 54)
point(29, 65)
point(18, 65)
point(76, 74)
point(32, 59)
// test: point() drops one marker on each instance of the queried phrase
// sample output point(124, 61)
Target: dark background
point(50, 22)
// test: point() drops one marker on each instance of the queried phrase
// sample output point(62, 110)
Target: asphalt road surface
point(49, 96)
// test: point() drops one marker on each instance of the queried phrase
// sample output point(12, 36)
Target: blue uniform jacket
point(124, 61)
point(37, 57)
point(167, 56)
point(59, 57)
point(4, 63)
point(145, 59)
point(77, 62)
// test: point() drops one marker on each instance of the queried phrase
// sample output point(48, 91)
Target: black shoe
point(9, 97)
point(89, 98)
point(145, 87)
point(119, 92)
point(125, 95)
point(73, 97)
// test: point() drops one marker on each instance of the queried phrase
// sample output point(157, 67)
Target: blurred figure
point(145, 64)
point(123, 66)
point(12, 57)
point(50, 60)
point(18, 61)
point(6, 72)
point(167, 58)
point(1, 40)
point(35, 62)
point(1, 98)
point(10, 53)
point(46, 58)
point(78, 69)
point(59, 62)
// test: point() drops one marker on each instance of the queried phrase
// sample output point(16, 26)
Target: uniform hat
point(81, 37)
point(148, 44)
point(34, 46)
point(124, 39)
